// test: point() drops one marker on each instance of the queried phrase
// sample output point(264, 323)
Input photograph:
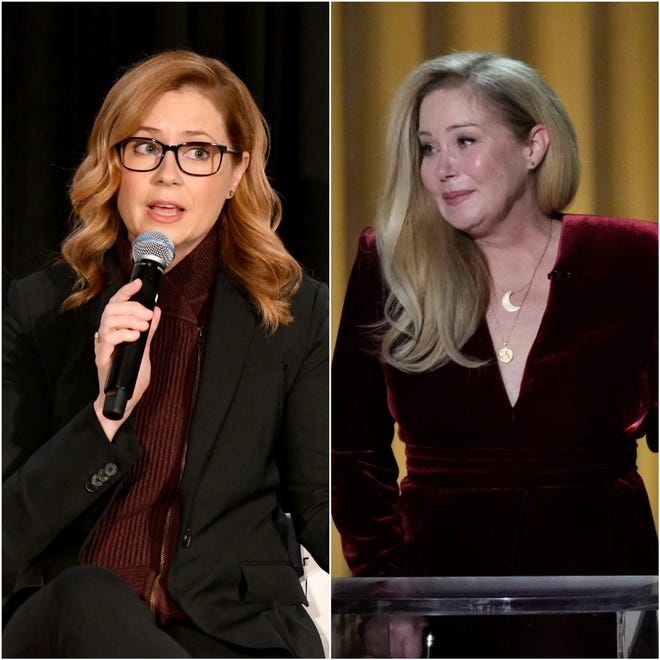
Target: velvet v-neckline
point(538, 338)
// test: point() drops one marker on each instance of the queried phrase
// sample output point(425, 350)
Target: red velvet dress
point(546, 487)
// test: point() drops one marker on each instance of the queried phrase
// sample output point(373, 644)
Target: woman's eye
point(426, 150)
point(197, 153)
point(146, 148)
point(465, 141)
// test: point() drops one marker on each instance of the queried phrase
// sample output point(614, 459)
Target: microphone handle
point(127, 357)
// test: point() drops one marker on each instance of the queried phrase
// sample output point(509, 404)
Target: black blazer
point(258, 446)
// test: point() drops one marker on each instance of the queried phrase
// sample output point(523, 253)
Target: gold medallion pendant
point(505, 354)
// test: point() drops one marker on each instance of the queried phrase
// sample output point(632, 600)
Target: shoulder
point(311, 294)
point(367, 272)
point(613, 240)
point(618, 232)
point(367, 251)
point(42, 291)
point(311, 288)
point(35, 328)
point(304, 340)
point(368, 240)
point(310, 311)
point(367, 262)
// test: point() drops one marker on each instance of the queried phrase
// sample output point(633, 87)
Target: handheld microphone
point(153, 252)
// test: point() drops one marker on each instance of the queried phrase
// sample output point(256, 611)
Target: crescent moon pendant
point(507, 304)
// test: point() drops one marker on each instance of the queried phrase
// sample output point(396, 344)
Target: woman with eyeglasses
point(515, 347)
point(164, 533)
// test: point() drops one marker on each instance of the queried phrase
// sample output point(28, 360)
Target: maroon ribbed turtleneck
point(138, 534)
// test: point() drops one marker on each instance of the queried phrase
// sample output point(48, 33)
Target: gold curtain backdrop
point(600, 58)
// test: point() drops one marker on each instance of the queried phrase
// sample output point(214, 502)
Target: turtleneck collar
point(186, 287)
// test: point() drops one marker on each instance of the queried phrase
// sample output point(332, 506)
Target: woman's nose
point(168, 171)
point(444, 166)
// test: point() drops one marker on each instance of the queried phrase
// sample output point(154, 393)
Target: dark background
point(60, 60)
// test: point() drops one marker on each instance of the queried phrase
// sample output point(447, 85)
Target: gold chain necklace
point(506, 298)
point(505, 354)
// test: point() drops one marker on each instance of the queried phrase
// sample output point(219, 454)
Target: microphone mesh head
point(155, 245)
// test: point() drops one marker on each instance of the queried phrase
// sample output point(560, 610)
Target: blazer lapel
point(231, 327)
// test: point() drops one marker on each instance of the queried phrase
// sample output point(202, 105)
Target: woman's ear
point(537, 145)
point(239, 170)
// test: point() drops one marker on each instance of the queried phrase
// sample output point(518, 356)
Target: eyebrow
point(453, 127)
point(194, 133)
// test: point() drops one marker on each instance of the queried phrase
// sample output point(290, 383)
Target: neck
point(513, 255)
point(520, 231)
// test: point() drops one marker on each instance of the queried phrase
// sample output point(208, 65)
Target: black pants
point(89, 612)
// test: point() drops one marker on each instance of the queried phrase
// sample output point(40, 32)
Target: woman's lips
point(165, 212)
point(454, 198)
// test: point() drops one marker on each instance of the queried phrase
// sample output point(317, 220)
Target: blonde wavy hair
point(250, 249)
point(437, 278)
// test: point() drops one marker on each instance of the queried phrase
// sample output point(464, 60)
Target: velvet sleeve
point(652, 421)
point(364, 471)
point(639, 239)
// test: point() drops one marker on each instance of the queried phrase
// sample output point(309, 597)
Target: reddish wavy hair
point(250, 249)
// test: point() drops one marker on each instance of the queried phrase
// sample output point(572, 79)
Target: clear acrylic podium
point(633, 599)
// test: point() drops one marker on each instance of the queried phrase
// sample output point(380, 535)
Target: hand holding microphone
point(125, 327)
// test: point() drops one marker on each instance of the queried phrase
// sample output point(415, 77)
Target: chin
point(458, 220)
point(168, 228)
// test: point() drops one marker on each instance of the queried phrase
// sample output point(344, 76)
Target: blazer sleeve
point(51, 476)
point(365, 491)
point(305, 456)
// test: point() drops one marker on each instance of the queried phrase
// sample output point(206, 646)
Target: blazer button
point(187, 538)
point(110, 469)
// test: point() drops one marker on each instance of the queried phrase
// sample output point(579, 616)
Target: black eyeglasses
point(195, 158)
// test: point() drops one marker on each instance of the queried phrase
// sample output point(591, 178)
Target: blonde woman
point(164, 533)
point(489, 326)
